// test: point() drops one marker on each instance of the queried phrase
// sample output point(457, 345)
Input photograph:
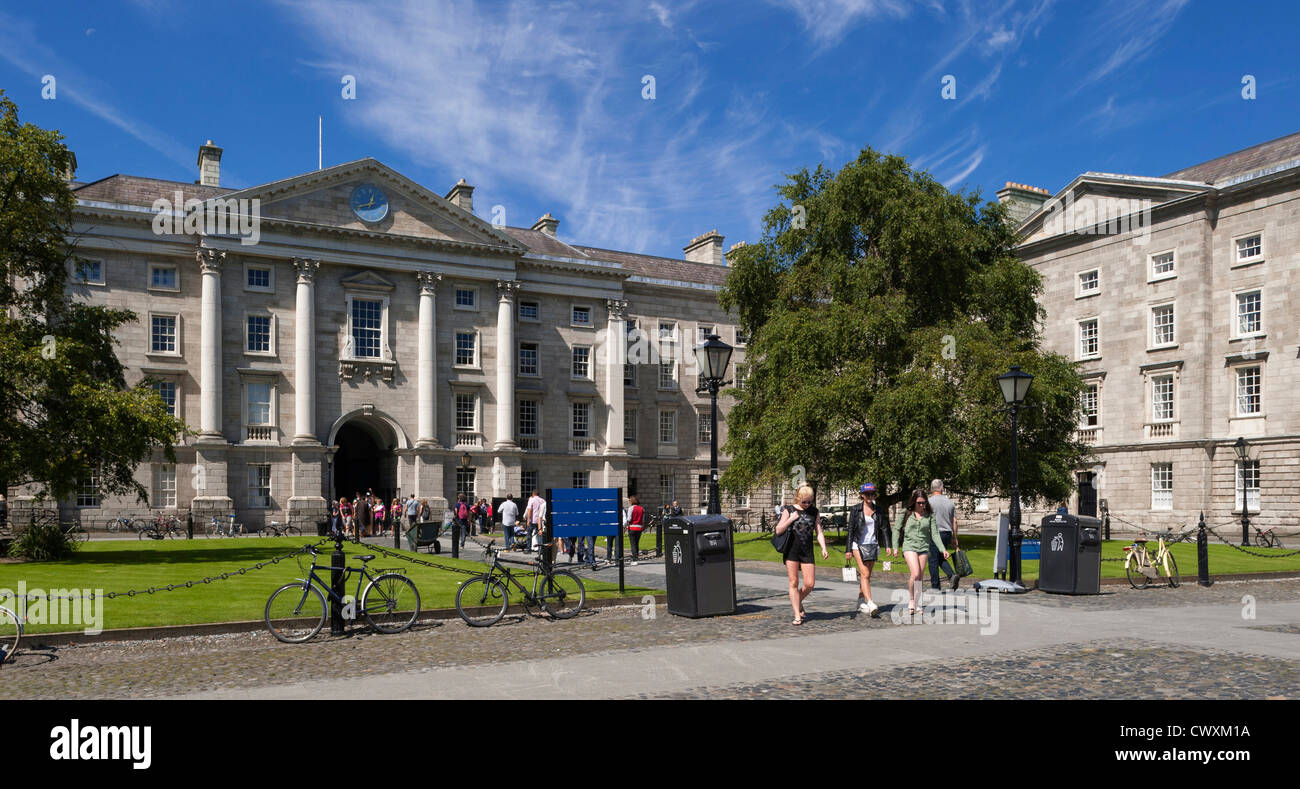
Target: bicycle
point(229, 529)
point(1267, 538)
point(11, 632)
point(277, 529)
point(162, 526)
point(560, 593)
point(122, 522)
point(74, 532)
point(1032, 533)
point(296, 611)
point(1141, 566)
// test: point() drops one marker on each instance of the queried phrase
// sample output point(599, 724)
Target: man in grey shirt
point(945, 517)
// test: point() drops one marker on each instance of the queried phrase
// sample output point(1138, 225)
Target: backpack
point(462, 511)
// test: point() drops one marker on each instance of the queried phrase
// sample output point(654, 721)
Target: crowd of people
point(366, 515)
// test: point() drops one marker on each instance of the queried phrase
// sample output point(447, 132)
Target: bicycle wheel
point(113, 526)
point(390, 603)
point(562, 594)
point(11, 631)
point(1170, 569)
point(1261, 541)
point(292, 531)
point(1136, 578)
point(295, 612)
point(148, 533)
point(481, 601)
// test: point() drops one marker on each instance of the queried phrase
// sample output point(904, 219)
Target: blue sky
point(540, 105)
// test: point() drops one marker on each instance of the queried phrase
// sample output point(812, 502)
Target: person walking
point(945, 515)
point(534, 514)
point(462, 517)
point(364, 516)
point(802, 517)
point(635, 523)
point(863, 544)
point(412, 510)
point(345, 510)
point(915, 532)
point(378, 515)
point(509, 516)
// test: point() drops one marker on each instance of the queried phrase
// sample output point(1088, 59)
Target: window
point(1089, 339)
point(667, 427)
point(164, 489)
point(466, 298)
point(466, 412)
point(259, 402)
point(367, 328)
point(1162, 486)
point(528, 419)
point(705, 428)
point(259, 485)
point(162, 334)
point(667, 333)
point(581, 361)
point(88, 493)
point(778, 493)
point(742, 373)
point(1250, 314)
point(528, 355)
point(629, 374)
point(981, 503)
point(703, 333)
point(580, 420)
point(258, 334)
point(1250, 249)
point(1089, 283)
point(257, 278)
point(89, 272)
point(527, 484)
point(580, 479)
point(162, 276)
point(668, 375)
point(467, 483)
point(1091, 414)
point(742, 501)
point(1162, 325)
point(741, 337)
point(581, 316)
point(1251, 473)
point(1162, 265)
point(629, 426)
point(1248, 391)
point(167, 392)
point(466, 349)
point(667, 490)
point(530, 311)
point(702, 489)
point(1162, 398)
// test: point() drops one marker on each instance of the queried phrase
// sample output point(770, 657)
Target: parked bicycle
point(122, 522)
point(277, 529)
point(163, 526)
point(483, 599)
point(74, 531)
point(1267, 538)
point(296, 612)
point(1142, 567)
point(11, 632)
point(224, 527)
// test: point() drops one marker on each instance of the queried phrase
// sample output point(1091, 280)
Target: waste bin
point(1071, 555)
point(322, 528)
point(699, 565)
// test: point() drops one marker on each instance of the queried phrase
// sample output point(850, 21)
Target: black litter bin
point(1070, 560)
point(322, 528)
point(699, 565)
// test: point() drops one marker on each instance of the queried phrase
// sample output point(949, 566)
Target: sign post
point(587, 512)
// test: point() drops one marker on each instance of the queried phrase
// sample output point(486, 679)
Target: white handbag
point(850, 573)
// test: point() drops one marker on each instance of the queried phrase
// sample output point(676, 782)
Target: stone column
point(210, 261)
point(615, 355)
point(507, 354)
point(426, 397)
point(304, 376)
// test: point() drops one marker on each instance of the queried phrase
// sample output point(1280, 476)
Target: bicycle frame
point(361, 572)
point(499, 570)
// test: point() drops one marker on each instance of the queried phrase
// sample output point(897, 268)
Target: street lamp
point(712, 358)
point(1015, 385)
point(1242, 450)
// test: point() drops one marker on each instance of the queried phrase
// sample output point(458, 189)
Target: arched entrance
point(365, 460)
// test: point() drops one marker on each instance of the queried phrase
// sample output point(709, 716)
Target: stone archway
point(366, 459)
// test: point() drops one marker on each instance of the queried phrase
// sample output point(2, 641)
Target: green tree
point(881, 307)
point(66, 413)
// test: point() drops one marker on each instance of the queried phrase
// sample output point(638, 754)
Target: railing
point(1161, 430)
point(581, 445)
point(469, 439)
point(530, 443)
point(259, 433)
point(1090, 435)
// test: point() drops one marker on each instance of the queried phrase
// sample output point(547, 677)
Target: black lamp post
point(712, 358)
point(1242, 450)
point(1015, 385)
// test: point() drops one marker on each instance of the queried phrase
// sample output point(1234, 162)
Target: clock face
point(369, 203)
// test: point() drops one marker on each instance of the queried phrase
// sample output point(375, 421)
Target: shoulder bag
point(781, 542)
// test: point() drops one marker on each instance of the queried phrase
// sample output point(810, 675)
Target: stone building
point(1174, 295)
point(348, 329)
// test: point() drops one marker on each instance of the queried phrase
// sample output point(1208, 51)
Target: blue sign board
point(582, 512)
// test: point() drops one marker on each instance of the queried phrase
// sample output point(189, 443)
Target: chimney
point(733, 248)
point(462, 195)
point(70, 174)
point(705, 249)
point(547, 224)
point(1022, 200)
point(209, 165)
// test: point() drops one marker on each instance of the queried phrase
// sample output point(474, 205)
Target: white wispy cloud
point(1123, 34)
point(829, 21)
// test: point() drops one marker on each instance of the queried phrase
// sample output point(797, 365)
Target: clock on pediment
point(369, 203)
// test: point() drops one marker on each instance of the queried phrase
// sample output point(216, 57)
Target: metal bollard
point(1202, 554)
point(659, 538)
point(1105, 525)
point(189, 525)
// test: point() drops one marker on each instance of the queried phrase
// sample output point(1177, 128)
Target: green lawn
point(119, 565)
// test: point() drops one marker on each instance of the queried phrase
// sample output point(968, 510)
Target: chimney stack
point(209, 165)
point(70, 174)
point(1022, 200)
point(547, 224)
point(733, 248)
point(705, 249)
point(462, 194)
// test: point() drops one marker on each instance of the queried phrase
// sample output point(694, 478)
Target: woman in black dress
point(799, 559)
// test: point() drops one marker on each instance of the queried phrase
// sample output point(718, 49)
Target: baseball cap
point(867, 488)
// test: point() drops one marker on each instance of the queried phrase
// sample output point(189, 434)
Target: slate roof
point(662, 268)
point(134, 190)
point(1256, 157)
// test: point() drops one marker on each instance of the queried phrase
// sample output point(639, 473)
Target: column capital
point(506, 290)
point(210, 260)
point(306, 268)
point(428, 282)
point(617, 309)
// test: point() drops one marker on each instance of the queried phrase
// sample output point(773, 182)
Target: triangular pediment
point(1096, 198)
point(367, 280)
point(325, 198)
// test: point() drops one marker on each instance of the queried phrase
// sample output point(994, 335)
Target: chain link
point(1244, 550)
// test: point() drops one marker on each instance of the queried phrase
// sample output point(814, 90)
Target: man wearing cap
point(866, 526)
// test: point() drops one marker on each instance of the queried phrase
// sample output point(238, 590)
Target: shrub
point(43, 542)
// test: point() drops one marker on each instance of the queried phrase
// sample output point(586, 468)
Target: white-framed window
point(581, 367)
point(530, 310)
point(581, 479)
point(580, 316)
point(259, 334)
point(580, 419)
point(629, 426)
point(1161, 266)
point(167, 392)
point(88, 491)
point(259, 403)
point(667, 489)
point(465, 297)
point(704, 429)
point(742, 501)
point(529, 356)
point(1162, 398)
point(702, 489)
point(632, 335)
point(1248, 249)
point(259, 278)
point(1249, 390)
point(164, 276)
point(1251, 473)
point(88, 271)
point(467, 483)
point(367, 327)
point(1089, 283)
point(1162, 486)
point(164, 334)
point(668, 375)
point(529, 422)
point(466, 349)
point(629, 374)
point(667, 333)
point(982, 503)
point(1162, 325)
point(742, 338)
point(1091, 406)
point(259, 485)
point(702, 333)
point(667, 427)
point(1249, 311)
point(164, 487)
point(466, 412)
point(527, 484)
point(742, 375)
point(1089, 339)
